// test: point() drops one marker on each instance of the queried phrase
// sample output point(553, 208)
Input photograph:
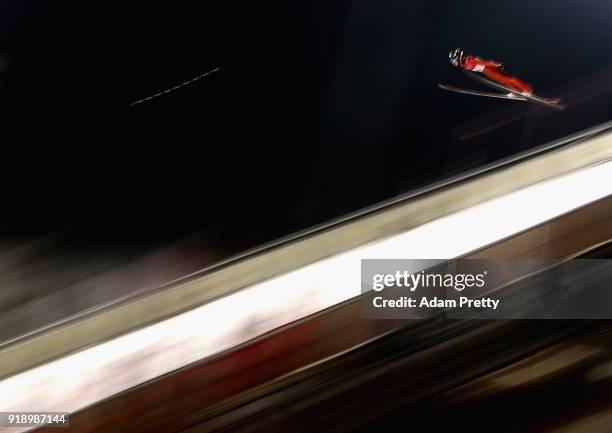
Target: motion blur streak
point(80, 379)
point(520, 374)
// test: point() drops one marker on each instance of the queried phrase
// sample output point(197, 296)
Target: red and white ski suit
point(493, 70)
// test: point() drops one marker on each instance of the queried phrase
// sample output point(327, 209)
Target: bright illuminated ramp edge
point(176, 327)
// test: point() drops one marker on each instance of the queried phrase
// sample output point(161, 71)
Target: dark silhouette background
point(320, 108)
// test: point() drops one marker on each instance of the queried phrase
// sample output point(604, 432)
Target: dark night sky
point(320, 108)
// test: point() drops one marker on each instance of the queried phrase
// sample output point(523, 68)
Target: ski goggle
point(455, 56)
